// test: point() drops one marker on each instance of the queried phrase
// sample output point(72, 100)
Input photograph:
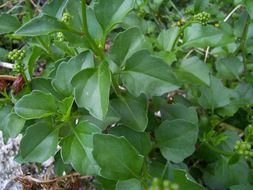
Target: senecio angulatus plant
point(137, 94)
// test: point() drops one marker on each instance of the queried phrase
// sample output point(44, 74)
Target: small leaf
point(146, 74)
point(125, 44)
point(133, 111)
point(91, 90)
point(176, 139)
point(39, 142)
point(111, 12)
point(132, 184)
point(8, 23)
point(76, 149)
point(41, 25)
point(117, 158)
point(35, 105)
point(14, 125)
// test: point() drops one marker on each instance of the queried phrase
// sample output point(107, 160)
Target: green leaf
point(241, 187)
point(229, 68)
point(14, 125)
point(176, 139)
point(185, 181)
point(200, 5)
point(55, 8)
point(91, 90)
point(126, 44)
point(117, 158)
point(194, 71)
point(249, 6)
point(140, 140)
point(35, 105)
point(244, 92)
point(8, 23)
point(211, 97)
point(66, 71)
point(178, 111)
point(132, 184)
point(204, 36)
point(4, 112)
point(39, 142)
point(65, 107)
point(111, 12)
point(77, 148)
point(41, 25)
point(133, 111)
point(167, 38)
point(144, 73)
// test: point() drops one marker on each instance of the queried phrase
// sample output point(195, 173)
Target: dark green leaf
point(132, 184)
point(8, 23)
point(55, 8)
point(14, 125)
point(167, 38)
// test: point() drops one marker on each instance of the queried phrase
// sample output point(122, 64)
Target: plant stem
point(165, 169)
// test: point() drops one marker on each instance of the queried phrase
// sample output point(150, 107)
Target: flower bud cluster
point(66, 17)
point(202, 18)
point(158, 184)
point(244, 149)
point(17, 56)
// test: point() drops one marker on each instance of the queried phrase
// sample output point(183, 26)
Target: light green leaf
point(125, 44)
point(35, 105)
point(41, 25)
point(144, 73)
point(249, 6)
point(39, 142)
point(8, 23)
point(133, 111)
point(111, 12)
point(167, 38)
point(77, 149)
point(117, 158)
point(140, 140)
point(132, 184)
point(211, 97)
point(66, 71)
point(91, 90)
point(176, 139)
point(194, 71)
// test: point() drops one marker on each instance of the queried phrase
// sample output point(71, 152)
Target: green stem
point(165, 169)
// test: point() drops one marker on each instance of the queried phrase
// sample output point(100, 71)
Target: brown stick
point(8, 77)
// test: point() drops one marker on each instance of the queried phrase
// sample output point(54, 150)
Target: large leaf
point(176, 139)
point(144, 73)
point(125, 44)
point(41, 25)
point(132, 184)
point(39, 142)
point(35, 105)
point(91, 90)
point(8, 23)
point(211, 97)
point(194, 71)
point(111, 12)
point(117, 158)
point(76, 149)
point(66, 71)
point(133, 111)
point(140, 140)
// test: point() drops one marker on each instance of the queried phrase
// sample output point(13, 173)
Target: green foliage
point(139, 94)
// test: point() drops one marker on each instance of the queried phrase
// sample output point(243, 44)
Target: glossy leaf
point(36, 105)
point(91, 90)
point(117, 158)
point(133, 112)
point(176, 139)
point(39, 149)
point(146, 74)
